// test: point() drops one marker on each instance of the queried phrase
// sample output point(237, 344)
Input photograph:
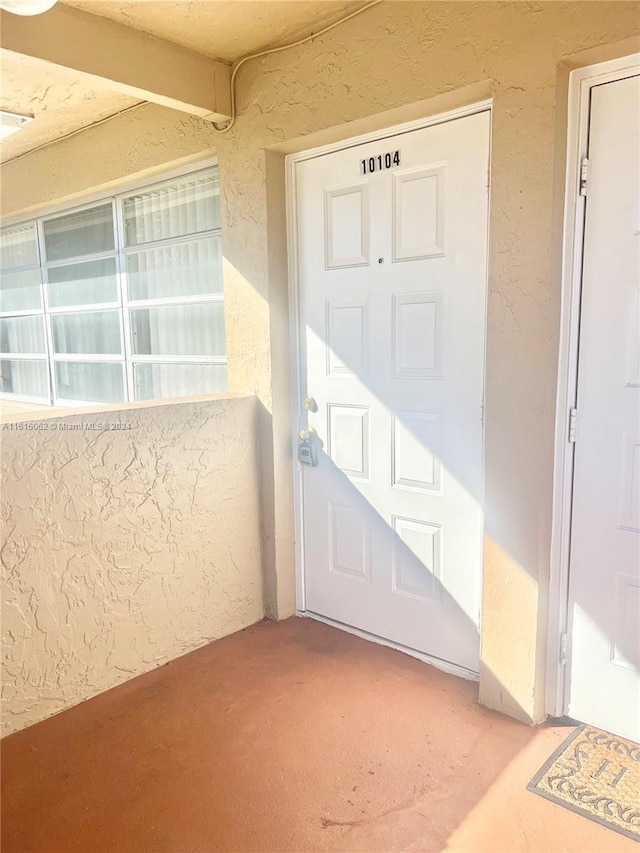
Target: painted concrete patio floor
point(288, 736)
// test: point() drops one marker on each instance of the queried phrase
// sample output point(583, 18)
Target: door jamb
point(297, 368)
point(581, 82)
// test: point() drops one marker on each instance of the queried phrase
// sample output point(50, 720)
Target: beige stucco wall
point(398, 61)
point(363, 76)
point(122, 548)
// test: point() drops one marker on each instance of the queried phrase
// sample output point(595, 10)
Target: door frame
point(581, 82)
point(296, 348)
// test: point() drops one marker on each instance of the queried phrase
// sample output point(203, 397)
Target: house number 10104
point(380, 162)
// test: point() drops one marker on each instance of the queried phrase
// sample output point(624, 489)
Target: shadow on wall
point(500, 536)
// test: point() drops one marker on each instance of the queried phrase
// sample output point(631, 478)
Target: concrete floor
point(286, 737)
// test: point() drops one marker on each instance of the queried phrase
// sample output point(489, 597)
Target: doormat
point(595, 774)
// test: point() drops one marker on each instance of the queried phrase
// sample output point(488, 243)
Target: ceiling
point(222, 29)
point(62, 102)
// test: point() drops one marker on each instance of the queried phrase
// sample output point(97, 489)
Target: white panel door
point(392, 275)
point(604, 584)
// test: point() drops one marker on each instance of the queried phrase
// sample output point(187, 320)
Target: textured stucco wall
point(123, 549)
point(362, 76)
point(398, 61)
point(138, 144)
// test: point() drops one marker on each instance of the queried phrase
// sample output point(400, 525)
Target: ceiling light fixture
point(11, 123)
point(27, 7)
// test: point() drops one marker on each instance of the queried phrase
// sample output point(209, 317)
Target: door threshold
point(438, 663)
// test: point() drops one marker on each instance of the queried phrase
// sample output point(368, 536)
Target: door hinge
point(584, 169)
point(563, 648)
point(573, 418)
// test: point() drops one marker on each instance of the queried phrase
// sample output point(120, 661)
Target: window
point(117, 300)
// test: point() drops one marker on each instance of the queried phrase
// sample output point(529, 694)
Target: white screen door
point(391, 239)
point(604, 573)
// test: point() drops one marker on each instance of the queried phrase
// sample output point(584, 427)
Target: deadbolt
point(310, 405)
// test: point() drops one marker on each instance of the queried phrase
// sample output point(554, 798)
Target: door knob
point(307, 434)
point(310, 405)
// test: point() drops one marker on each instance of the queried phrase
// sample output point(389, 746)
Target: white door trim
point(297, 367)
point(581, 83)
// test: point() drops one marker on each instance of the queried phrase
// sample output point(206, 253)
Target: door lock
point(308, 447)
point(310, 405)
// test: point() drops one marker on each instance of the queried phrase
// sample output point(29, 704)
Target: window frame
point(123, 304)
point(29, 312)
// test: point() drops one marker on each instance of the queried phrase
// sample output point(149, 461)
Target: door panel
point(392, 276)
point(604, 584)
